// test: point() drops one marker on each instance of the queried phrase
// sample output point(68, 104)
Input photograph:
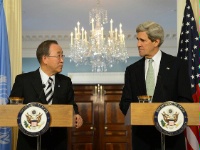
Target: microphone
point(161, 87)
point(43, 86)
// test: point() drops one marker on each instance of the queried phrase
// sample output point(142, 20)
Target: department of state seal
point(33, 119)
point(170, 118)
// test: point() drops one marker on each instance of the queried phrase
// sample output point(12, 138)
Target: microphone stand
point(162, 141)
point(39, 136)
point(163, 95)
point(39, 142)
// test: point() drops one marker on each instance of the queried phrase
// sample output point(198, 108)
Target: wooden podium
point(143, 113)
point(61, 115)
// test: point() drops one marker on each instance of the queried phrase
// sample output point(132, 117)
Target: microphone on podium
point(43, 86)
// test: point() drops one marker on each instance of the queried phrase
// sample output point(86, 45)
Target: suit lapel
point(165, 64)
point(140, 77)
point(37, 85)
point(56, 90)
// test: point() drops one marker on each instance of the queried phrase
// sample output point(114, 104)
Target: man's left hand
point(78, 121)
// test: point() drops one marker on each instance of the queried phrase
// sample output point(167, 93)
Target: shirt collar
point(45, 77)
point(156, 57)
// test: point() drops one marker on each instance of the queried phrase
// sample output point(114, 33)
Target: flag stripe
point(192, 139)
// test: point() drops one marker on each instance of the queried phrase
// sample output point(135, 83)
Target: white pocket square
point(167, 68)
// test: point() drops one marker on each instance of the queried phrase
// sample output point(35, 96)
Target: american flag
point(189, 51)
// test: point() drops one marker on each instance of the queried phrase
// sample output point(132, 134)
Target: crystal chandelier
point(95, 49)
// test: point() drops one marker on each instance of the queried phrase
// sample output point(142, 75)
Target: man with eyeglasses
point(32, 86)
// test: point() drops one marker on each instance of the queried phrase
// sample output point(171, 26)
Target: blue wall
point(31, 64)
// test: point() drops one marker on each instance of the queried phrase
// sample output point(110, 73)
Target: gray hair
point(153, 30)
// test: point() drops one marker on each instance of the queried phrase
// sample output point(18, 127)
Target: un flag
point(5, 78)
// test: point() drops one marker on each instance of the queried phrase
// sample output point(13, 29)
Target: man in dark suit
point(31, 86)
point(170, 83)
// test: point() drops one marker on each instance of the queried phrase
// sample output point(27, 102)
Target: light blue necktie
point(150, 81)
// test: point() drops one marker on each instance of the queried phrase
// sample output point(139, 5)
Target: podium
point(61, 116)
point(135, 114)
point(143, 114)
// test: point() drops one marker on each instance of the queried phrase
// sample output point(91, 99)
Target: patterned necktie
point(150, 81)
point(49, 91)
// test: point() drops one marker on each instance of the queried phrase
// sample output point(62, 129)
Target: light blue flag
point(5, 78)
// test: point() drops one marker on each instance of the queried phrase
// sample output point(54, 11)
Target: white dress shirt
point(156, 65)
point(45, 79)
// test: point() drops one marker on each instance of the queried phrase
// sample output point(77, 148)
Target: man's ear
point(156, 42)
point(44, 59)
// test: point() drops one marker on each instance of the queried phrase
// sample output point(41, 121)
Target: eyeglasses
point(58, 57)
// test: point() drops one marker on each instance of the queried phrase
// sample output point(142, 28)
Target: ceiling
point(62, 15)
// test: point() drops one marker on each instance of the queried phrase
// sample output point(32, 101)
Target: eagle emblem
point(33, 119)
point(169, 118)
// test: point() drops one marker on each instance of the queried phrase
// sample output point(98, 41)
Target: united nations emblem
point(170, 118)
point(33, 119)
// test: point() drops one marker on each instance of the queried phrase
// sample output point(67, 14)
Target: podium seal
point(170, 118)
point(33, 119)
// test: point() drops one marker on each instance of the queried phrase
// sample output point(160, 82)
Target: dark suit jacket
point(29, 86)
point(173, 84)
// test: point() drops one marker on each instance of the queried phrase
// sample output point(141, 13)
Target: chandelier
point(97, 50)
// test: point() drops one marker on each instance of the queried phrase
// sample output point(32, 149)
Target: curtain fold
point(13, 13)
